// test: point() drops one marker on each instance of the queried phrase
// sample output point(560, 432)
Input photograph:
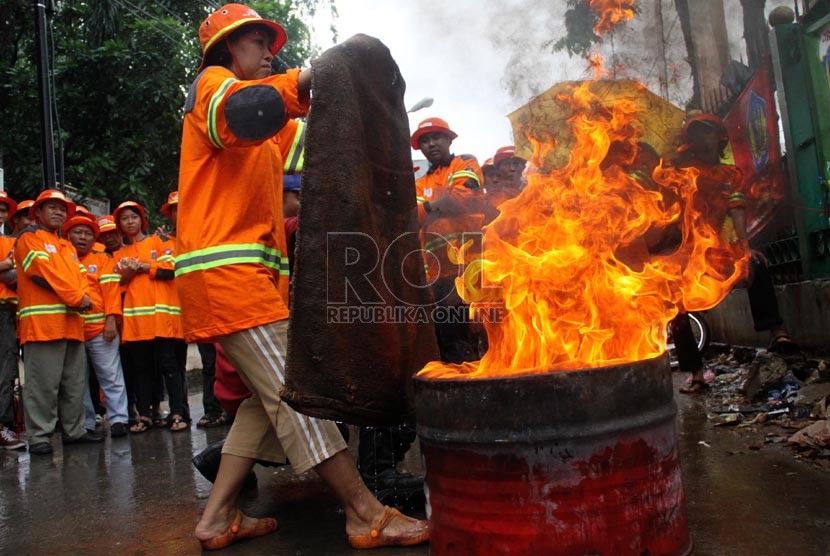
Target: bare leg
point(362, 509)
point(222, 501)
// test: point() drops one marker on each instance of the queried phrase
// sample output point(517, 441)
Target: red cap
point(228, 19)
point(432, 125)
point(488, 162)
point(172, 199)
point(505, 153)
point(138, 208)
point(107, 224)
point(8, 201)
point(50, 194)
point(81, 221)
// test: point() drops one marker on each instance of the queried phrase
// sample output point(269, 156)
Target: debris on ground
point(752, 388)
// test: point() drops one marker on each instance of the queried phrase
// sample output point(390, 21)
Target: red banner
point(752, 125)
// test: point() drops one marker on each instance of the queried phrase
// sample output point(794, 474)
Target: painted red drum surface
point(572, 463)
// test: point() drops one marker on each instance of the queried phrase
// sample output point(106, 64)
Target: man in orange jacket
point(232, 274)
point(450, 204)
point(53, 295)
point(101, 339)
point(8, 330)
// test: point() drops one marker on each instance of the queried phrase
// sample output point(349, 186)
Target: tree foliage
point(121, 72)
point(580, 21)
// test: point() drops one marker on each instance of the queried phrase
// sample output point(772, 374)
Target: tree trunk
point(756, 32)
point(686, 25)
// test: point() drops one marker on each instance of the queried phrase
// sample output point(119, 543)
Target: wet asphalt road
point(141, 495)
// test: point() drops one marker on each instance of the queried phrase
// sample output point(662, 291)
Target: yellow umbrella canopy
point(546, 119)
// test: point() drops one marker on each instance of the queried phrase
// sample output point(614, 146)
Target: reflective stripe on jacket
point(48, 315)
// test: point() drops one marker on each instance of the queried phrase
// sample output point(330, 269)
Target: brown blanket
point(353, 340)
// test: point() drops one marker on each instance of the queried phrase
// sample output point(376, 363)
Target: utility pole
point(44, 9)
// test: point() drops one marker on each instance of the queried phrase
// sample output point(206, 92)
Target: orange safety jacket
point(104, 292)
point(291, 142)
point(232, 266)
point(48, 315)
point(7, 294)
point(151, 307)
point(461, 178)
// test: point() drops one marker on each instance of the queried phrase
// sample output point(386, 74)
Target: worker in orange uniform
point(152, 329)
point(53, 295)
point(109, 235)
point(720, 195)
point(101, 338)
point(232, 275)
point(450, 204)
point(8, 329)
point(20, 218)
point(510, 167)
point(505, 182)
point(84, 212)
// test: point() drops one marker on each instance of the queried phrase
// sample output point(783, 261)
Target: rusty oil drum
point(564, 463)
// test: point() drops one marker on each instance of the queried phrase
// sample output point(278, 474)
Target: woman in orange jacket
point(152, 329)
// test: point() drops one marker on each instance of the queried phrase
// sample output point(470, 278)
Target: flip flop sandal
point(236, 532)
point(695, 387)
point(176, 422)
point(143, 425)
point(376, 537)
point(212, 423)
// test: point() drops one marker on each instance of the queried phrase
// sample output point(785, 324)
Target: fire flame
point(611, 13)
point(568, 259)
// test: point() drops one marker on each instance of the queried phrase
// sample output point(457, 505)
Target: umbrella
point(544, 118)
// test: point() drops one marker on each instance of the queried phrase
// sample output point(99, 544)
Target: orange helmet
point(23, 206)
point(172, 199)
point(432, 125)
point(107, 224)
point(708, 120)
point(136, 207)
point(50, 194)
point(228, 19)
point(79, 220)
point(81, 210)
point(8, 201)
point(505, 153)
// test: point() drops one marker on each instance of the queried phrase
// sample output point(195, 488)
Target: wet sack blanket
point(357, 333)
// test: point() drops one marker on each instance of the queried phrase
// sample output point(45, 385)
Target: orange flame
point(611, 13)
point(568, 259)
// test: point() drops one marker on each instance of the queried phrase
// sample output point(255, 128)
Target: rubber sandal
point(176, 421)
point(236, 532)
point(377, 538)
point(694, 387)
point(143, 425)
point(208, 423)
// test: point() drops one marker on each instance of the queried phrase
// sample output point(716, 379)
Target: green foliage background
point(122, 70)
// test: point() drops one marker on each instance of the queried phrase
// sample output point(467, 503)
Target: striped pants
point(258, 354)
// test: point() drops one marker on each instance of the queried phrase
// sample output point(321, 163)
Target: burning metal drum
point(560, 463)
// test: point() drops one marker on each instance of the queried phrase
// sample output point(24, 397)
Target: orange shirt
point(151, 307)
point(461, 178)
point(104, 292)
point(48, 315)
point(7, 295)
point(232, 266)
